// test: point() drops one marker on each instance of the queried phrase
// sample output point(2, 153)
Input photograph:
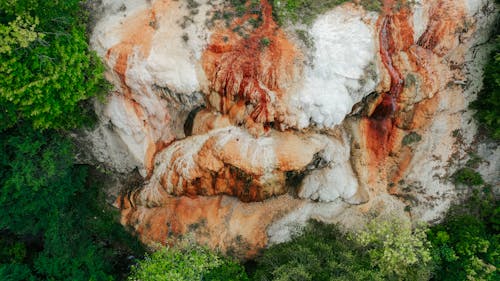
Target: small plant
point(474, 161)
point(468, 177)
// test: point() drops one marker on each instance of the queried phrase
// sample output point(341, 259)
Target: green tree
point(399, 251)
point(46, 67)
point(187, 262)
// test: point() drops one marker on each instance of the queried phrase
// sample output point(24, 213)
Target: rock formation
point(243, 129)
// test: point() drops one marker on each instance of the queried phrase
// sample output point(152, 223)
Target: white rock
point(344, 48)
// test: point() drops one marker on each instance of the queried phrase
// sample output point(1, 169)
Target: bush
point(187, 262)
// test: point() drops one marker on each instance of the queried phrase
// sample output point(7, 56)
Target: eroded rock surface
point(242, 131)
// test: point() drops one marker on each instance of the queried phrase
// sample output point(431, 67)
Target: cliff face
point(243, 130)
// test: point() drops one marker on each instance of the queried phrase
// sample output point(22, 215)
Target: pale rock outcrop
point(242, 134)
point(337, 78)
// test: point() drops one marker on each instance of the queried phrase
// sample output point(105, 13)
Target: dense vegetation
point(386, 250)
point(306, 11)
point(54, 222)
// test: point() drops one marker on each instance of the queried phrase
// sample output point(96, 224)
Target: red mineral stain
point(250, 67)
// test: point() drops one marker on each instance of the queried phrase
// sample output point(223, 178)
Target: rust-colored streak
point(250, 68)
point(380, 126)
point(421, 61)
point(388, 105)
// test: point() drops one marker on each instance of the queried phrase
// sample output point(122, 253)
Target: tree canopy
point(46, 67)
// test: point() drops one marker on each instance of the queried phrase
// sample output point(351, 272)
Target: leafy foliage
point(187, 262)
point(46, 68)
point(488, 100)
point(397, 250)
point(46, 198)
point(321, 252)
point(467, 244)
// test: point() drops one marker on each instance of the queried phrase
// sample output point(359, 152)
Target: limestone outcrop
point(243, 129)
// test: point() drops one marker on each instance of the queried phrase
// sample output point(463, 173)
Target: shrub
point(372, 5)
point(187, 262)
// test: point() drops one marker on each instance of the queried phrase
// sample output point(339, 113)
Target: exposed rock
point(242, 134)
